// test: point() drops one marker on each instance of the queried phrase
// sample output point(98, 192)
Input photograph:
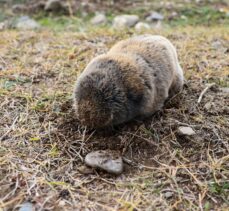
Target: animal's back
point(156, 50)
point(159, 62)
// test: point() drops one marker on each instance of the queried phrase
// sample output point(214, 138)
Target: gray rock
point(55, 6)
point(168, 195)
point(27, 206)
point(172, 15)
point(18, 8)
point(6, 24)
point(187, 131)
point(226, 109)
point(142, 26)
point(26, 23)
point(154, 16)
point(109, 161)
point(125, 21)
point(216, 44)
point(219, 46)
point(62, 203)
point(183, 17)
point(99, 19)
point(225, 90)
point(208, 105)
point(2, 26)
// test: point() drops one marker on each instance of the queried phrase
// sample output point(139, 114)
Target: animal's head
point(99, 101)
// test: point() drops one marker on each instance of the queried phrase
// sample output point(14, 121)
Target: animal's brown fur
point(133, 79)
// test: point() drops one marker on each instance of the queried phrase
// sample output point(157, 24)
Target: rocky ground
point(75, 15)
point(175, 160)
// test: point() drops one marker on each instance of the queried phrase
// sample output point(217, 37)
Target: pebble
point(125, 21)
point(26, 23)
point(61, 203)
point(208, 105)
point(16, 8)
point(219, 46)
point(55, 6)
point(27, 206)
point(99, 19)
point(225, 90)
point(216, 44)
point(173, 15)
point(109, 161)
point(2, 26)
point(168, 195)
point(187, 131)
point(142, 26)
point(154, 16)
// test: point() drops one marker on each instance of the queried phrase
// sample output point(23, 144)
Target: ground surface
point(42, 146)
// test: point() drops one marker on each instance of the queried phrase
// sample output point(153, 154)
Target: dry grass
point(42, 146)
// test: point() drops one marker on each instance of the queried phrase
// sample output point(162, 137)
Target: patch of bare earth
point(42, 146)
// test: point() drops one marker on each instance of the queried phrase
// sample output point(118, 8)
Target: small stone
point(17, 8)
point(125, 21)
point(154, 16)
point(208, 105)
point(142, 26)
point(168, 195)
point(216, 44)
point(173, 15)
point(26, 23)
point(99, 19)
point(226, 110)
point(5, 25)
point(109, 161)
point(27, 206)
point(183, 17)
point(55, 6)
point(61, 203)
point(2, 26)
point(219, 46)
point(187, 131)
point(225, 90)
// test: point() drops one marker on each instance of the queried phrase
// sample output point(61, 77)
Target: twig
point(182, 123)
point(8, 131)
point(129, 162)
point(3, 60)
point(204, 91)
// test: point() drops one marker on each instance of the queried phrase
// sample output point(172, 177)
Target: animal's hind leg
point(177, 83)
